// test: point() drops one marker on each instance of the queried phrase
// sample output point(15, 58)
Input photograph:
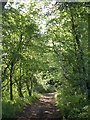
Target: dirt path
point(44, 109)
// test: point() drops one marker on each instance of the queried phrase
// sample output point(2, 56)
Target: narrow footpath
point(44, 109)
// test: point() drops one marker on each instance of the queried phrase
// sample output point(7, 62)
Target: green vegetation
point(46, 49)
point(11, 108)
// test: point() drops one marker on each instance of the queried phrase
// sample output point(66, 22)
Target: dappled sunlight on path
point(44, 109)
point(48, 98)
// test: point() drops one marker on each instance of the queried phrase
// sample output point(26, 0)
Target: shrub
point(73, 103)
point(11, 108)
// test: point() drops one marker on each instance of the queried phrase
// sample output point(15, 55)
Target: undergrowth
point(73, 104)
point(11, 108)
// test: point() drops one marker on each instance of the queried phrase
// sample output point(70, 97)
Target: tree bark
point(20, 80)
point(28, 88)
point(11, 83)
point(31, 85)
point(20, 84)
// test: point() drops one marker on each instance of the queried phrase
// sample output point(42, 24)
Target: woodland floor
point(44, 109)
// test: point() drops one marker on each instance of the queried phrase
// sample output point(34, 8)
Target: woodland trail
point(44, 109)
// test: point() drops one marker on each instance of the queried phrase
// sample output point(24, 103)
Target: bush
point(11, 108)
point(73, 104)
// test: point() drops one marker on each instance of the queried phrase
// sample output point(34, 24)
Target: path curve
point(44, 109)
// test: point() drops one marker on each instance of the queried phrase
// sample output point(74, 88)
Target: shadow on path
point(44, 109)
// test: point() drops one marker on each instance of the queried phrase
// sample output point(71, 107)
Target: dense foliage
point(47, 52)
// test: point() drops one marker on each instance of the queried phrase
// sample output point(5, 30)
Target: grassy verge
point(11, 108)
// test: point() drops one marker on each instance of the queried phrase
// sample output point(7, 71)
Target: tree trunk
point(11, 91)
point(20, 92)
point(20, 80)
point(28, 88)
point(31, 80)
point(20, 83)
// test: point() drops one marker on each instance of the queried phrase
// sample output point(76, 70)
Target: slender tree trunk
point(11, 90)
point(31, 80)
point(20, 83)
point(13, 61)
point(19, 87)
point(28, 88)
point(20, 80)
